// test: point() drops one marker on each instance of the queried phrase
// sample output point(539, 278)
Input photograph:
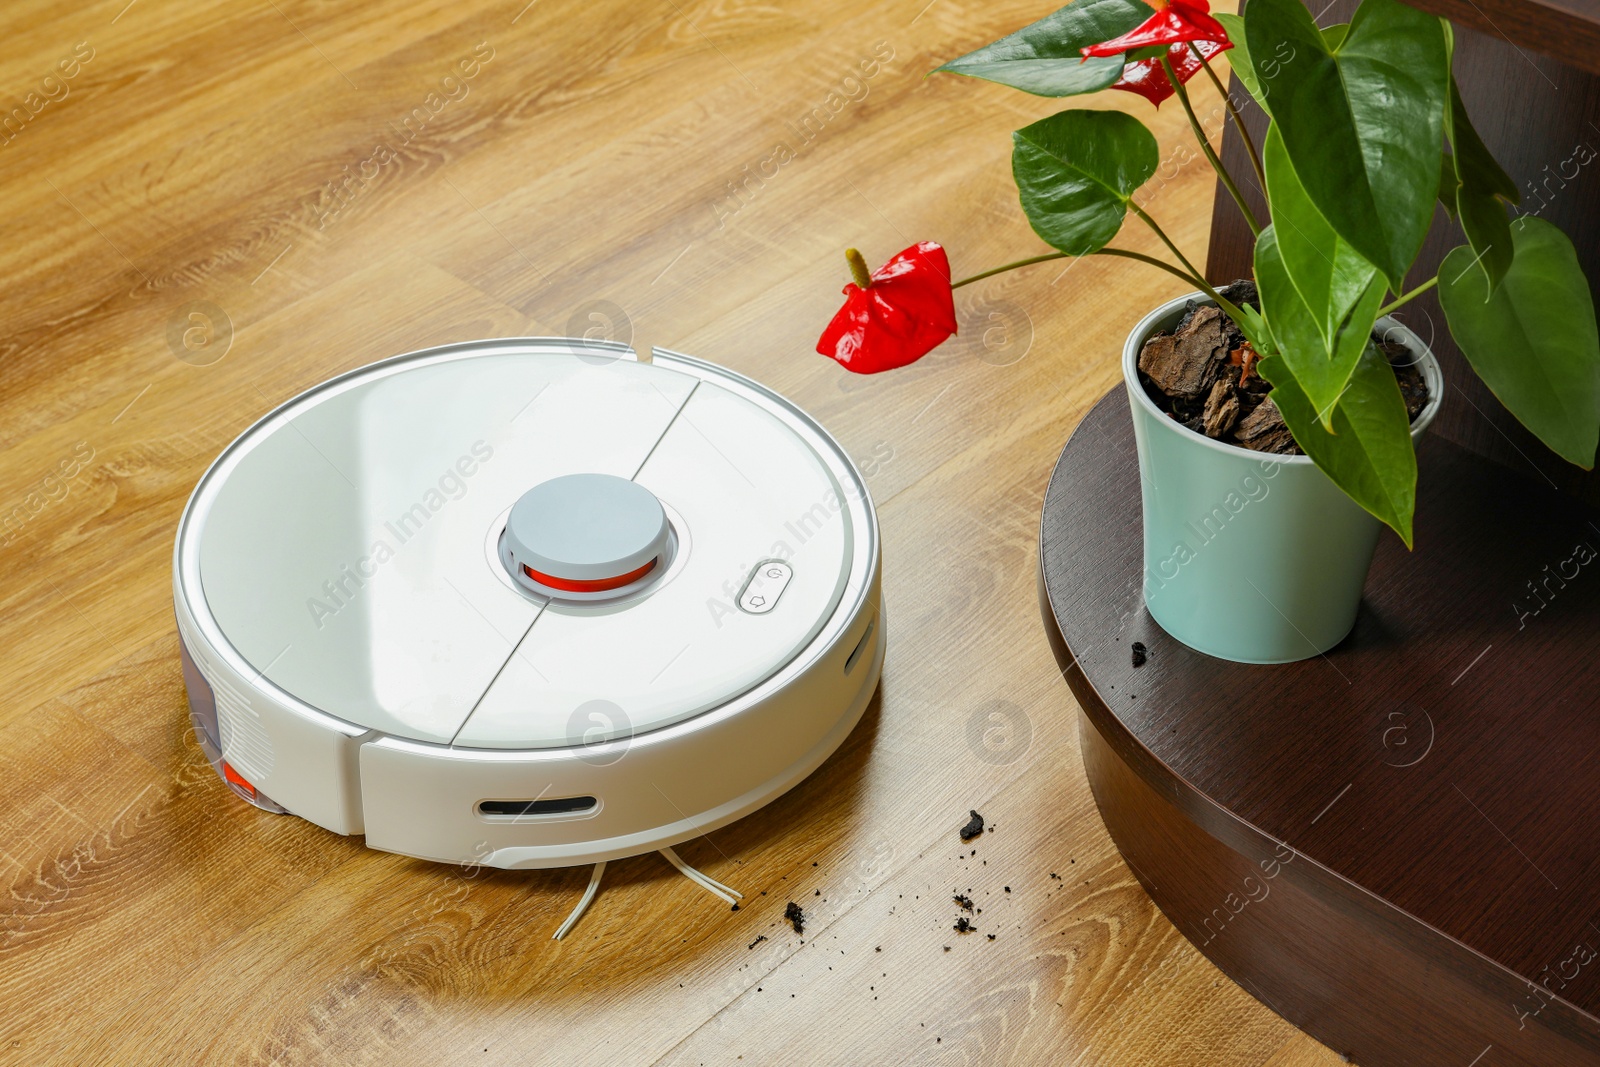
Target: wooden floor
point(226, 203)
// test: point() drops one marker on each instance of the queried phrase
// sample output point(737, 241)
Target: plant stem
point(1159, 232)
point(1233, 113)
point(1193, 279)
point(1418, 291)
point(1205, 146)
point(992, 271)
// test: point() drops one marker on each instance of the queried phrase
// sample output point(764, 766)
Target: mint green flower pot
point(1248, 556)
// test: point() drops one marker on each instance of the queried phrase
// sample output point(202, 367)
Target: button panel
point(765, 585)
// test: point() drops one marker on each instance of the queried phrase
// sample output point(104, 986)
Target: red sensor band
point(597, 585)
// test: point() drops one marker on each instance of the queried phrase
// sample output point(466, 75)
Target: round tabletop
point(1429, 782)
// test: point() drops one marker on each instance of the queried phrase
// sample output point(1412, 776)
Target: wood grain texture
point(202, 159)
point(1391, 844)
point(1541, 119)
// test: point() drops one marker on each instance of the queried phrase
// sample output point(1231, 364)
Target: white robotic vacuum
point(528, 603)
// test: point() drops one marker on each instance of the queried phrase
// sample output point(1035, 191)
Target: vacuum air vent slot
point(527, 809)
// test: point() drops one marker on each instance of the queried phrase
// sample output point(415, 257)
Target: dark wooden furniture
point(1530, 78)
point(1395, 846)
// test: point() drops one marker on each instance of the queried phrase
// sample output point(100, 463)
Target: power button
point(765, 585)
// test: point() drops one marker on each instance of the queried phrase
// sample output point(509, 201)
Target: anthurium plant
point(1367, 131)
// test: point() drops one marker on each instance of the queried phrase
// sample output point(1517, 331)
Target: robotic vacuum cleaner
point(528, 603)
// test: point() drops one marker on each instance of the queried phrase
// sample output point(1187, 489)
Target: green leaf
point(1329, 275)
point(1075, 172)
point(1254, 328)
point(1475, 164)
point(1322, 365)
point(1483, 220)
point(1532, 340)
point(1239, 55)
point(1333, 36)
point(1448, 183)
point(1362, 123)
point(1369, 453)
point(1043, 58)
point(1480, 186)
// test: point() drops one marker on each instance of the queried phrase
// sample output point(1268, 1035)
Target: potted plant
point(1275, 419)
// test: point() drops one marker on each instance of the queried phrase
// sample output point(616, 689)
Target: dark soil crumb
point(1203, 376)
point(963, 901)
point(759, 938)
point(1140, 653)
point(989, 936)
point(963, 925)
point(973, 828)
point(796, 916)
point(1008, 889)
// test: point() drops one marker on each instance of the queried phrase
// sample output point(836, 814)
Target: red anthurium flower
point(897, 315)
point(1175, 21)
point(1145, 76)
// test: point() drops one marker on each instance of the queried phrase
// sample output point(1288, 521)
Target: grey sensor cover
point(587, 527)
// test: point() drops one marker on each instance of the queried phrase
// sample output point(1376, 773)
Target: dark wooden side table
point(1395, 846)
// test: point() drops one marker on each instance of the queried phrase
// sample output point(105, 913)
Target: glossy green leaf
point(1481, 184)
point(1043, 58)
point(1075, 172)
point(1448, 183)
point(1329, 275)
point(1239, 54)
point(1362, 123)
point(1369, 453)
point(1532, 340)
point(1321, 364)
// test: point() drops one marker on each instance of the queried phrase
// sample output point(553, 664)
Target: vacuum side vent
point(518, 809)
